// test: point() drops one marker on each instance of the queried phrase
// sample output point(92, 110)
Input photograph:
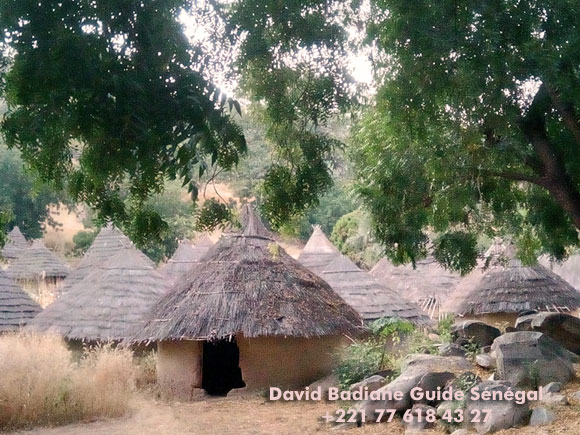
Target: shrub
point(359, 361)
point(444, 328)
point(41, 386)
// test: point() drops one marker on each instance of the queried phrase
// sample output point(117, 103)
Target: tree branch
point(566, 111)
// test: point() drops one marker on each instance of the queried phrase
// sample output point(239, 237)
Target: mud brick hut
point(15, 245)
point(107, 303)
point(319, 252)
point(39, 272)
point(252, 316)
point(186, 257)
point(16, 307)
point(503, 288)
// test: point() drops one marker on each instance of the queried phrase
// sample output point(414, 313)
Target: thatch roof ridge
point(203, 240)
point(318, 252)
point(107, 303)
point(15, 244)
point(37, 262)
point(249, 285)
point(185, 257)
point(16, 307)
point(568, 270)
point(366, 295)
point(513, 288)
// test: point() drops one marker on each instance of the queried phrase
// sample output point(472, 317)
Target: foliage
point(456, 250)
point(472, 349)
point(82, 241)
point(444, 327)
point(213, 214)
point(352, 236)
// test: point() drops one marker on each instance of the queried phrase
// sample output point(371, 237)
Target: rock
point(541, 416)
point(387, 374)
point(486, 349)
point(447, 405)
point(460, 432)
point(464, 382)
point(530, 359)
point(511, 329)
point(485, 360)
point(503, 414)
point(552, 387)
point(418, 424)
point(563, 328)
point(575, 396)
point(372, 384)
point(428, 372)
point(473, 330)
point(554, 399)
point(451, 349)
point(325, 383)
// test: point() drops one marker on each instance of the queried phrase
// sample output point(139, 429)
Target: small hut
point(39, 272)
point(107, 303)
point(319, 252)
point(108, 242)
point(15, 245)
point(16, 307)
point(428, 284)
point(497, 294)
point(365, 294)
point(252, 316)
point(186, 257)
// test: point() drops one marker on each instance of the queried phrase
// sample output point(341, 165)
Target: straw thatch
point(16, 307)
point(15, 244)
point(569, 270)
point(37, 263)
point(366, 295)
point(248, 284)
point(108, 302)
point(319, 252)
point(108, 242)
point(186, 256)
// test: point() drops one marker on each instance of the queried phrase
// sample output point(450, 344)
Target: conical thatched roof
point(248, 284)
point(111, 300)
point(366, 295)
point(319, 252)
point(186, 256)
point(37, 262)
point(108, 242)
point(569, 270)
point(16, 307)
point(15, 245)
point(428, 281)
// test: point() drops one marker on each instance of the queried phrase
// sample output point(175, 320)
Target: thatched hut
point(428, 284)
point(15, 245)
point(109, 302)
point(186, 257)
point(504, 287)
point(252, 316)
point(365, 294)
point(319, 252)
point(108, 242)
point(16, 307)
point(39, 272)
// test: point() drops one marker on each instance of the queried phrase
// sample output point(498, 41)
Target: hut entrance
point(221, 371)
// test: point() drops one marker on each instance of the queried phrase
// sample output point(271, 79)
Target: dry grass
point(41, 386)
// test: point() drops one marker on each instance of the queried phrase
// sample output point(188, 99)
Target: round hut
point(367, 296)
point(186, 257)
point(504, 287)
point(428, 284)
point(107, 303)
point(39, 272)
point(249, 308)
point(108, 242)
point(15, 245)
point(319, 252)
point(16, 307)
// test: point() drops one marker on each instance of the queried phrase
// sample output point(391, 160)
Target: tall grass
point(40, 385)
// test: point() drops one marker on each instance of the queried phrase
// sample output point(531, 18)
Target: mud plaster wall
point(179, 366)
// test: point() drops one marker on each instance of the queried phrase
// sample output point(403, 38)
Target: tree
point(475, 126)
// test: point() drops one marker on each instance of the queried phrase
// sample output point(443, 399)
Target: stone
point(475, 331)
point(451, 349)
point(531, 359)
point(428, 372)
point(460, 432)
point(503, 414)
point(464, 382)
point(541, 416)
point(372, 384)
point(552, 387)
point(416, 424)
point(555, 399)
point(511, 329)
point(563, 328)
point(447, 405)
point(324, 384)
point(485, 360)
point(575, 396)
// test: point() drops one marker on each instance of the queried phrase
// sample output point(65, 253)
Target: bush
point(41, 386)
point(444, 328)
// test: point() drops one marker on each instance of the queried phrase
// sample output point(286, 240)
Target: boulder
point(485, 360)
point(464, 382)
point(503, 414)
point(451, 349)
point(552, 387)
point(563, 328)
point(373, 383)
point(418, 420)
point(324, 384)
point(475, 331)
point(460, 432)
point(541, 416)
point(575, 396)
point(553, 399)
point(531, 359)
point(428, 372)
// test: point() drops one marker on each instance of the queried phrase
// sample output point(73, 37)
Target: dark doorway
point(221, 372)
